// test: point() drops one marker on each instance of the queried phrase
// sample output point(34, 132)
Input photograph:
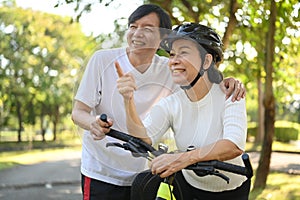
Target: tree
point(39, 53)
point(259, 61)
point(269, 104)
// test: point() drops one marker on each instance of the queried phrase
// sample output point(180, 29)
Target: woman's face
point(184, 61)
point(143, 35)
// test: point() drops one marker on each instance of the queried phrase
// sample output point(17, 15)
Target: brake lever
point(135, 151)
point(126, 146)
point(205, 170)
point(209, 170)
point(224, 177)
point(132, 147)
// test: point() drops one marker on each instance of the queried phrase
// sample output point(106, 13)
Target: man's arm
point(81, 116)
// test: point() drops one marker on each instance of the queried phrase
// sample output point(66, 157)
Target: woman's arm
point(167, 164)
point(134, 124)
point(126, 86)
point(221, 150)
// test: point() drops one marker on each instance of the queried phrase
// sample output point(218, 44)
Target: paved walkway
point(56, 179)
point(59, 178)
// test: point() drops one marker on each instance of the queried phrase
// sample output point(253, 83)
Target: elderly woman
point(199, 115)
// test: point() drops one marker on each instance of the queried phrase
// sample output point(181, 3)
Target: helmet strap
point(199, 75)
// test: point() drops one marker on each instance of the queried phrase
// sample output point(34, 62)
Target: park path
point(59, 177)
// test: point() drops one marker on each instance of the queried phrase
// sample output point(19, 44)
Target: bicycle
point(139, 148)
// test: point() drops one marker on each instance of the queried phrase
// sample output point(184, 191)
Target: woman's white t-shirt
point(199, 124)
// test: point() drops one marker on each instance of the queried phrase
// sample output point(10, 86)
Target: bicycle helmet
point(203, 35)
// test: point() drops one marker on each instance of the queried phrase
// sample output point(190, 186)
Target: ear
point(207, 62)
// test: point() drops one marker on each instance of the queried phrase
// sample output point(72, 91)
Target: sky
point(100, 20)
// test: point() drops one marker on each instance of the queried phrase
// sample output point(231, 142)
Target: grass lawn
point(10, 159)
point(280, 186)
point(276, 146)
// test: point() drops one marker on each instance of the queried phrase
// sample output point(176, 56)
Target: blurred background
point(44, 46)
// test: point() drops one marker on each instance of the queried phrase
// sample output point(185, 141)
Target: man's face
point(143, 35)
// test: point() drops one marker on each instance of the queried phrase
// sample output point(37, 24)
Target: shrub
point(286, 134)
point(282, 134)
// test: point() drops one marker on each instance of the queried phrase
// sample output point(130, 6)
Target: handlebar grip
point(248, 165)
point(103, 117)
point(229, 167)
point(126, 138)
point(245, 171)
point(114, 133)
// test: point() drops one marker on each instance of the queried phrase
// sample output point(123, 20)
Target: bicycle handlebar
point(245, 171)
point(140, 148)
point(127, 138)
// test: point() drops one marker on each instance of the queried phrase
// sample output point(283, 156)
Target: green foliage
point(285, 134)
point(32, 141)
point(251, 132)
point(245, 55)
point(31, 40)
point(284, 131)
point(39, 55)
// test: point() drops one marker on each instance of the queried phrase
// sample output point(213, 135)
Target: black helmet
point(203, 35)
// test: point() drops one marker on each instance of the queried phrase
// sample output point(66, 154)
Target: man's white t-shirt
point(98, 90)
point(199, 124)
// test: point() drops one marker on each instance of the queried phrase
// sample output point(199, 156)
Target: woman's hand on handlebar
point(167, 164)
point(99, 128)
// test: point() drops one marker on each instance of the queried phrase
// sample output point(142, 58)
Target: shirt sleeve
point(89, 90)
point(235, 122)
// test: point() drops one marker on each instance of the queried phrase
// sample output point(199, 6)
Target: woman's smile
point(178, 71)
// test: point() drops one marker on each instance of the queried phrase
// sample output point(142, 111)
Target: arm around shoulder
point(234, 87)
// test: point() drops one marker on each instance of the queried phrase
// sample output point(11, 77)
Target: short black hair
point(143, 10)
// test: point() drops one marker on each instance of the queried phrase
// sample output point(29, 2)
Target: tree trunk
point(54, 130)
point(43, 131)
point(42, 125)
point(261, 109)
point(231, 24)
point(19, 114)
point(269, 103)
point(55, 122)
